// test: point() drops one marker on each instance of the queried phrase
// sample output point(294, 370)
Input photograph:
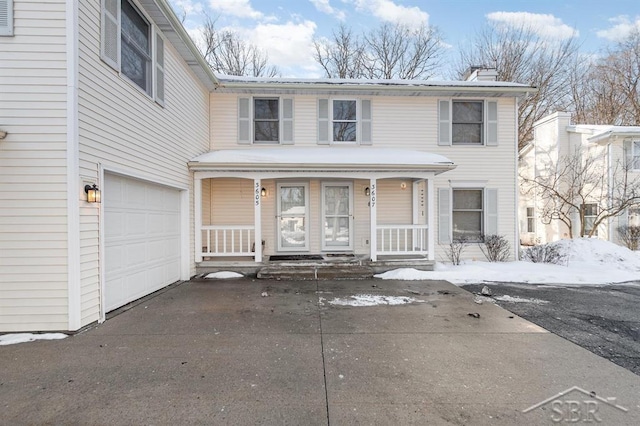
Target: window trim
point(357, 120)
point(530, 217)
point(482, 210)
point(635, 155)
point(583, 207)
point(152, 90)
point(253, 120)
point(483, 123)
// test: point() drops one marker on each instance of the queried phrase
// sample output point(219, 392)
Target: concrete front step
point(315, 272)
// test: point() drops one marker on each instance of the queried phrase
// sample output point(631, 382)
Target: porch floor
point(329, 267)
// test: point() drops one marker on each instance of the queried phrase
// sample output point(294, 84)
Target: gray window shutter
point(444, 216)
point(628, 155)
point(492, 123)
point(444, 123)
point(491, 211)
point(6, 17)
point(159, 69)
point(365, 122)
point(244, 121)
point(323, 122)
point(287, 121)
point(110, 33)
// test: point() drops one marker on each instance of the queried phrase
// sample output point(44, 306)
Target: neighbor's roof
point(238, 84)
point(325, 158)
point(602, 132)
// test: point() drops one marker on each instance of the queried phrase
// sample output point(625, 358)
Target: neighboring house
point(192, 168)
point(556, 138)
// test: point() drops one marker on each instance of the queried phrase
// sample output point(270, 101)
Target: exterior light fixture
point(367, 191)
point(263, 192)
point(93, 193)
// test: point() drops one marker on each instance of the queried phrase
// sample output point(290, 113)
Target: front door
point(293, 217)
point(337, 216)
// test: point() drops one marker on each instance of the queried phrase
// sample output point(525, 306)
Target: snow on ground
point(589, 261)
point(371, 300)
point(224, 275)
point(517, 299)
point(12, 339)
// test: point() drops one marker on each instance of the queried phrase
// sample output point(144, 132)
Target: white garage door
point(142, 239)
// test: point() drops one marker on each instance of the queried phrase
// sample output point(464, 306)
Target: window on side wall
point(345, 120)
point(531, 220)
point(467, 214)
point(467, 121)
point(633, 216)
point(590, 213)
point(130, 45)
point(266, 120)
point(635, 159)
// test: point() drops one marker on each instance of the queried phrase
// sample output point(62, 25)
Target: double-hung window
point(265, 120)
point(590, 212)
point(467, 122)
point(531, 220)
point(130, 45)
point(467, 214)
point(635, 155)
point(344, 121)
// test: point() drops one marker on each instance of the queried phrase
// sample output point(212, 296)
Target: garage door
point(142, 238)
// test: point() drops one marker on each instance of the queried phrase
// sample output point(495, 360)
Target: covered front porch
point(320, 206)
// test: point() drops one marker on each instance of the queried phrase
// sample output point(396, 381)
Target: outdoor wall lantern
point(263, 191)
point(367, 191)
point(93, 193)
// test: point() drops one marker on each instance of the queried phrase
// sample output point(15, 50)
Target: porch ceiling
point(333, 159)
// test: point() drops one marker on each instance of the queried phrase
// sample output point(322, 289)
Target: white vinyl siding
point(6, 17)
point(33, 173)
point(124, 132)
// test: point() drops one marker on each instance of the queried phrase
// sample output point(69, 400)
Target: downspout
point(73, 168)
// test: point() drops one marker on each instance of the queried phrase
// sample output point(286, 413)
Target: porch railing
point(228, 240)
point(402, 239)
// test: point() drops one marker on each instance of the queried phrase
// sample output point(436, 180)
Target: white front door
point(293, 217)
point(337, 216)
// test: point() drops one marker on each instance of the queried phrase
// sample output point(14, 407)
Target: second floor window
point(345, 121)
point(266, 120)
point(467, 122)
point(135, 47)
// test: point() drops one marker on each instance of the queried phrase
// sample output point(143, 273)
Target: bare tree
point(386, 52)
point(605, 91)
point(228, 54)
point(521, 55)
point(573, 181)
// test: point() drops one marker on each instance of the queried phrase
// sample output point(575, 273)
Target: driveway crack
point(324, 365)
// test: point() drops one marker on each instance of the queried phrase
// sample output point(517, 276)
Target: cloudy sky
point(285, 29)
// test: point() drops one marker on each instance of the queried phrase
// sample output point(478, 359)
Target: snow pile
point(12, 339)
point(224, 275)
point(372, 300)
point(517, 299)
point(589, 262)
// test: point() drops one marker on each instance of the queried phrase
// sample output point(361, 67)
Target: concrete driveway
point(218, 352)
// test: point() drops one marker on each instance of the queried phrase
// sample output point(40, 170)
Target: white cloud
point(288, 45)
point(325, 7)
point(545, 25)
point(622, 27)
point(239, 8)
point(187, 7)
point(388, 11)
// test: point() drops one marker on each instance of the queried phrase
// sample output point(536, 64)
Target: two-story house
point(125, 163)
point(613, 150)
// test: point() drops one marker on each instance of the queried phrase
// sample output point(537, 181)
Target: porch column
point(431, 242)
point(373, 215)
point(257, 219)
point(197, 201)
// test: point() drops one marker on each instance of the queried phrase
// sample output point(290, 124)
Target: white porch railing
point(229, 240)
point(402, 239)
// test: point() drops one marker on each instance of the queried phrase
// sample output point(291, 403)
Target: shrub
point(495, 248)
point(454, 252)
point(630, 236)
point(544, 253)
